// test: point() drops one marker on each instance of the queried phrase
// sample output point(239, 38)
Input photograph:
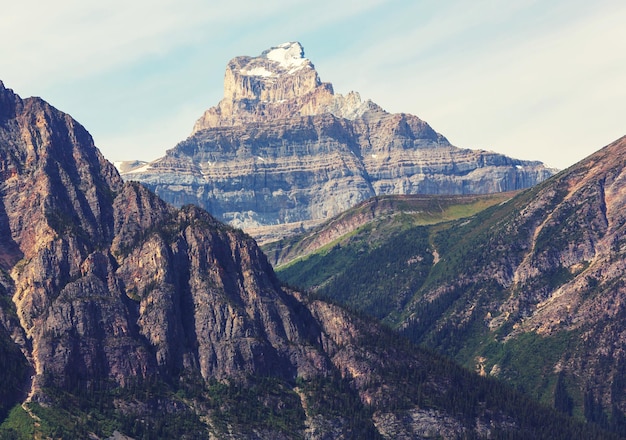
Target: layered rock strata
point(281, 150)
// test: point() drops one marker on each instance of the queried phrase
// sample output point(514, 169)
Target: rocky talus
point(283, 152)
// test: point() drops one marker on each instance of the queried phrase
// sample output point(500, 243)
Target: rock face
point(279, 84)
point(99, 268)
point(140, 311)
point(282, 151)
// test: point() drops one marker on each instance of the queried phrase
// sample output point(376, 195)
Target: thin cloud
point(517, 88)
point(509, 76)
point(73, 38)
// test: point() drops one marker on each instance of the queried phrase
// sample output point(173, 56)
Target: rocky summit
point(283, 152)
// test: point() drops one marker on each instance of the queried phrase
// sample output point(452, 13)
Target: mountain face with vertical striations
point(281, 151)
point(122, 315)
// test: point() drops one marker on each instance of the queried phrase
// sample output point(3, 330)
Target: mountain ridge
point(142, 319)
point(278, 84)
point(530, 291)
point(379, 216)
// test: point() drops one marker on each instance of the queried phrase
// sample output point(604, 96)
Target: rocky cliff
point(131, 316)
point(282, 151)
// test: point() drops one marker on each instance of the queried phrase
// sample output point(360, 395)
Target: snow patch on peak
point(131, 166)
point(288, 55)
point(258, 71)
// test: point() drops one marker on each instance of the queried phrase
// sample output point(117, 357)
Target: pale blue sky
point(541, 80)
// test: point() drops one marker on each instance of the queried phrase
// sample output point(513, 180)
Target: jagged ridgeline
point(283, 152)
point(121, 315)
point(530, 291)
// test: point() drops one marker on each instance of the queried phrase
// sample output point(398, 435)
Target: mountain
point(530, 291)
point(121, 315)
point(282, 152)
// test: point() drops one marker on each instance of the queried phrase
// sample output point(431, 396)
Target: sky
point(541, 80)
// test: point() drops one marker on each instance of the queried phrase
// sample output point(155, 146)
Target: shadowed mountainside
point(530, 291)
point(138, 318)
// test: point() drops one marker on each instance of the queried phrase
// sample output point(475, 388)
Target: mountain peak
point(280, 83)
point(8, 102)
point(284, 59)
point(282, 148)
